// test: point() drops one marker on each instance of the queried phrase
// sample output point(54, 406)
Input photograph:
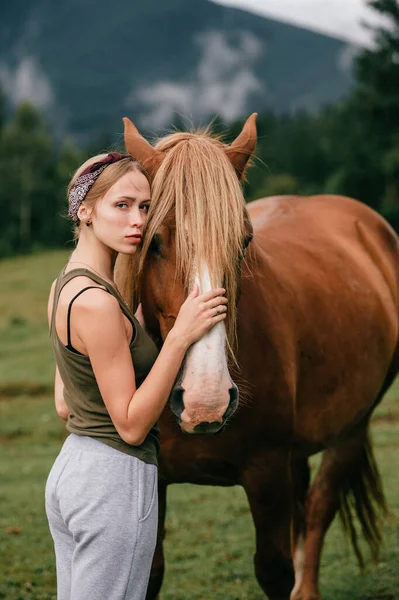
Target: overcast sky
point(341, 18)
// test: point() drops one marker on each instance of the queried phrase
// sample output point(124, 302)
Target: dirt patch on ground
point(388, 419)
point(26, 388)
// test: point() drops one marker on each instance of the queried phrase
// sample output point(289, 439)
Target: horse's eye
point(247, 240)
point(155, 245)
point(245, 244)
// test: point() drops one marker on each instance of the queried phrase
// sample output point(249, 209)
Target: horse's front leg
point(268, 485)
point(158, 562)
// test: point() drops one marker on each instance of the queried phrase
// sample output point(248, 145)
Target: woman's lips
point(134, 238)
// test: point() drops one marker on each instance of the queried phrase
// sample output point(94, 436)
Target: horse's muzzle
point(177, 405)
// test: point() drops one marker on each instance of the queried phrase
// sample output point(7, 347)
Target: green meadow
point(210, 536)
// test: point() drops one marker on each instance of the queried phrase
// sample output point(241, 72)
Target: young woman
point(111, 386)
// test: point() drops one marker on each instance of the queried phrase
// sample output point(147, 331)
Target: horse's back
point(330, 213)
point(340, 230)
point(335, 267)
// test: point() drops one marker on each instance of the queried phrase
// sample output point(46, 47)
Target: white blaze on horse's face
point(207, 392)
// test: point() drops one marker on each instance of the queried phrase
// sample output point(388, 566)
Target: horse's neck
point(264, 294)
point(266, 330)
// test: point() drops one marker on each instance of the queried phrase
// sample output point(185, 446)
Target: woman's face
point(118, 219)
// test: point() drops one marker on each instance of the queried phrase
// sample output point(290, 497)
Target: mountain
point(87, 64)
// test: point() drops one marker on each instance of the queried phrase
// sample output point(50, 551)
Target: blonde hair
point(196, 184)
point(105, 180)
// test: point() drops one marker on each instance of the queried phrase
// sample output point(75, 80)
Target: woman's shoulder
point(90, 296)
point(96, 299)
point(51, 299)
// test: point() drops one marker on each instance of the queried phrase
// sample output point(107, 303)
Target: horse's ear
point(141, 150)
point(241, 150)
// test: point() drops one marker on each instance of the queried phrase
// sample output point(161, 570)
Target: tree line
point(350, 148)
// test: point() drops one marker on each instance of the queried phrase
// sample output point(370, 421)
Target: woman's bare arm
point(99, 324)
point(60, 405)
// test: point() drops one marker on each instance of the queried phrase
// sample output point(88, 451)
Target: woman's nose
point(137, 218)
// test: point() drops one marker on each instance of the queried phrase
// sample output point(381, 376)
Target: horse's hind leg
point(158, 562)
point(301, 480)
point(347, 477)
point(267, 483)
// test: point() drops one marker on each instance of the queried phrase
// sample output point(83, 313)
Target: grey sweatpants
point(102, 508)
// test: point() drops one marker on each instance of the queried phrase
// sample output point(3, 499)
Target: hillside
point(87, 64)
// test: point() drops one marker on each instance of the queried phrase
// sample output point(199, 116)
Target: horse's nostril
point(233, 402)
point(233, 391)
point(176, 401)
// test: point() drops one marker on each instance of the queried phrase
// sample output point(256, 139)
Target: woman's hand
point(199, 313)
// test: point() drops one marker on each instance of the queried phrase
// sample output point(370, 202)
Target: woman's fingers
point(217, 310)
point(219, 300)
point(211, 294)
point(218, 318)
point(194, 291)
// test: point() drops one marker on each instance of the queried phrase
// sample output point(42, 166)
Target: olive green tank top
point(88, 413)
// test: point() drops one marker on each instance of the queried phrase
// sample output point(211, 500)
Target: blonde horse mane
point(196, 188)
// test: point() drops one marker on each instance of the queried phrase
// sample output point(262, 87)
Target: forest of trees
point(351, 148)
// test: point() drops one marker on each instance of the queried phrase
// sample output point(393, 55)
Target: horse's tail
point(362, 496)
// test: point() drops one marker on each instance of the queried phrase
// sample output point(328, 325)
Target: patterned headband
point(85, 181)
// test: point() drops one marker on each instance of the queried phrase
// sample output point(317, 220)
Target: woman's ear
point(84, 214)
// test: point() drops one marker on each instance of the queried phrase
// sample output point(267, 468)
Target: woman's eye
point(145, 207)
point(121, 204)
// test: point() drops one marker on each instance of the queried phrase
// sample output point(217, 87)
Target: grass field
point(210, 536)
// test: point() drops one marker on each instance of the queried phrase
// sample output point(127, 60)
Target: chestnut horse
point(312, 336)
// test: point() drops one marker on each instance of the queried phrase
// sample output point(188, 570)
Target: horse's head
point(197, 231)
